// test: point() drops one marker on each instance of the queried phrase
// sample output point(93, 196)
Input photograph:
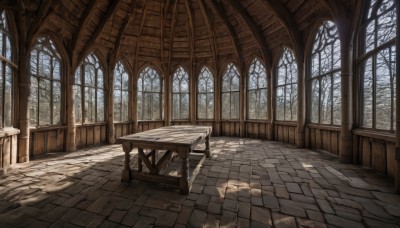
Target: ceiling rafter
point(119, 39)
point(253, 28)
point(43, 12)
point(174, 15)
point(163, 21)
point(286, 18)
point(189, 8)
point(99, 29)
point(142, 20)
point(222, 15)
point(210, 29)
point(84, 23)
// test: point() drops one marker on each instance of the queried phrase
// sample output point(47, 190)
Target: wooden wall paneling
point(334, 143)
point(84, 136)
point(96, 135)
point(312, 138)
point(307, 138)
point(292, 135)
point(1, 155)
point(356, 149)
point(51, 140)
point(103, 136)
point(326, 140)
point(6, 152)
point(78, 136)
point(89, 135)
point(61, 136)
point(391, 159)
point(318, 139)
point(378, 156)
point(366, 152)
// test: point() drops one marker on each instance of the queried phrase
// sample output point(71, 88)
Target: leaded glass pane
point(286, 102)
point(230, 91)
point(149, 98)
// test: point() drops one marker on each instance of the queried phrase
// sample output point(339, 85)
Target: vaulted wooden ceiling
point(179, 31)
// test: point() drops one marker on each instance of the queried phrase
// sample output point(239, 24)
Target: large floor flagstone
point(245, 183)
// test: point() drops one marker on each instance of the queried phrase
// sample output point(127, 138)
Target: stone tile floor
point(245, 183)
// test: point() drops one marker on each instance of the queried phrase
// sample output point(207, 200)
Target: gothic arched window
point(257, 91)
point(46, 81)
point(325, 80)
point(205, 94)
point(89, 91)
point(121, 93)
point(230, 93)
point(378, 66)
point(180, 94)
point(286, 87)
point(149, 98)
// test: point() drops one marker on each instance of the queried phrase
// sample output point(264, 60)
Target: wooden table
point(181, 139)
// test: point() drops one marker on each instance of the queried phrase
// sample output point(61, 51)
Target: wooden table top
point(177, 135)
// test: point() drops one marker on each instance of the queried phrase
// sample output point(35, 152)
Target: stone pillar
point(270, 115)
point(217, 102)
point(346, 150)
point(301, 104)
point(133, 100)
point(70, 110)
point(397, 174)
point(242, 100)
point(167, 97)
point(109, 89)
point(192, 93)
point(23, 106)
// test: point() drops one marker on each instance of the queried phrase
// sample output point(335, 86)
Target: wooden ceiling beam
point(174, 15)
point(188, 6)
point(144, 14)
point(99, 29)
point(287, 20)
point(224, 18)
point(37, 22)
point(84, 23)
point(258, 36)
point(118, 41)
point(211, 32)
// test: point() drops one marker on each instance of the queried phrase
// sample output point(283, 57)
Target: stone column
point(397, 174)
point(217, 102)
point(301, 104)
point(242, 100)
point(167, 97)
point(110, 102)
point(70, 109)
point(192, 93)
point(270, 115)
point(346, 150)
point(23, 106)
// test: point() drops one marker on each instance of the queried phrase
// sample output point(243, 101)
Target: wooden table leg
point(207, 150)
point(185, 177)
point(126, 173)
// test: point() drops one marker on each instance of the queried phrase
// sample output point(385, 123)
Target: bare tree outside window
point(230, 93)
point(89, 91)
point(149, 97)
point(7, 69)
point(205, 94)
point(180, 94)
point(378, 66)
point(257, 91)
point(121, 93)
point(325, 80)
point(45, 98)
point(286, 87)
